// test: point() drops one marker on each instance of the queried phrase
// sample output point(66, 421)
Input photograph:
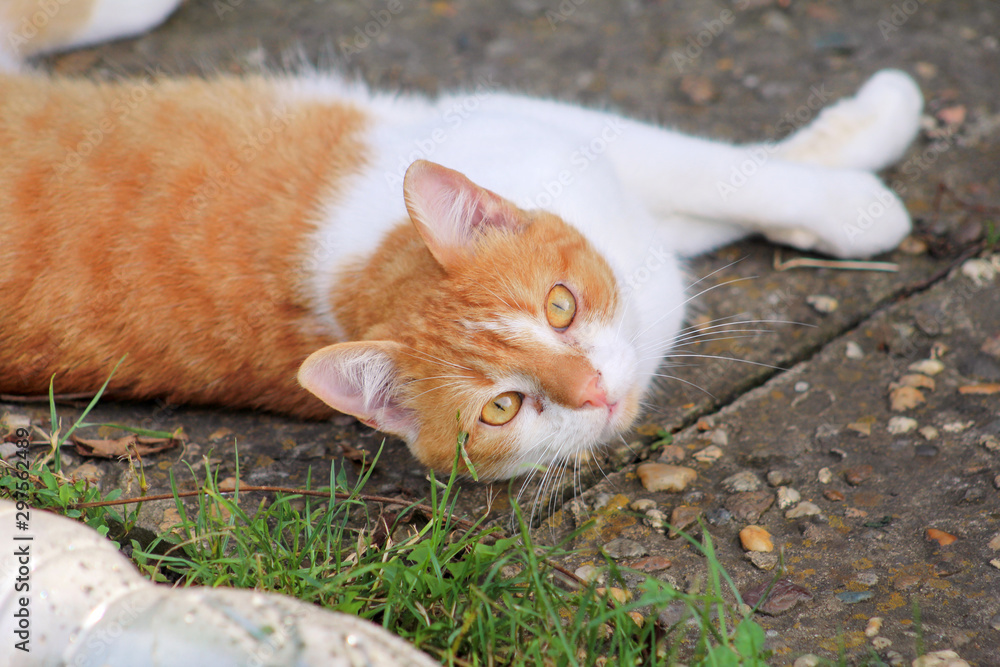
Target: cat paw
point(857, 217)
point(869, 131)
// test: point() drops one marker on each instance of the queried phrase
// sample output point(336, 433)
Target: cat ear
point(449, 210)
point(361, 379)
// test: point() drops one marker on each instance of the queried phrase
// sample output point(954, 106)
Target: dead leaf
point(941, 537)
point(905, 398)
point(120, 448)
point(987, 388)
point(220, 433)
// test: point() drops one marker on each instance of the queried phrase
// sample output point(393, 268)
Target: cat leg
point(35, 27)
point(869, 131)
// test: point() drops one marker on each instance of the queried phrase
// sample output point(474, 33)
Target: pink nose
point(593, 394)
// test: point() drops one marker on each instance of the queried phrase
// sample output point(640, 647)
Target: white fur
point(116, 19)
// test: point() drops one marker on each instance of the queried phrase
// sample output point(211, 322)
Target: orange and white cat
point(237, 236)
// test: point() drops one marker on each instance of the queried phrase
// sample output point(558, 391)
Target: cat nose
point(593, 394)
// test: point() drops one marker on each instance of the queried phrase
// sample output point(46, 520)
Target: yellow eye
point(501, 409)
point(560, 307)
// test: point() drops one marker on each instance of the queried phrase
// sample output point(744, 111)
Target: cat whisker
point(715, 356)
point(689, 300)
point(430, 357)
point(437, 388)
point(687, 382)
point(441, 377)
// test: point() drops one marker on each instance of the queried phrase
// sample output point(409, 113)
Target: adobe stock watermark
point(656, 259)
point(134, 93)
point(34, 23)
point(562, 13)
point(910, 170)
point(698, 42)
point(758, 154)
point(900, 14)
point(220, 178)
point(424, 148)
point(363, 35)
point(580, 160)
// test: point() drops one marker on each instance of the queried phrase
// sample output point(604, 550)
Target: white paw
point(115, 19)
point(869, 131)
point(857, 216)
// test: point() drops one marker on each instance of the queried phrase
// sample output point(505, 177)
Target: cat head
point(485, 319)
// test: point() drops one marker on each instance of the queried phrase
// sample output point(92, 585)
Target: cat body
point(484, 263)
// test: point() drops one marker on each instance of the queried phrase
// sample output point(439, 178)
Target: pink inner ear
point(360, 379)
point(448, 209)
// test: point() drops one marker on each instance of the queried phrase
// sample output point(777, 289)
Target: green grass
point(466, 595)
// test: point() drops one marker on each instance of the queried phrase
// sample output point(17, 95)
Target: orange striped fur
point(164, 221)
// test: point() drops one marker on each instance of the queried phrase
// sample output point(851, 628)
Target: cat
point(488, 264)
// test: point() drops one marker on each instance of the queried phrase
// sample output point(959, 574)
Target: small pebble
point(784, 595)
point(854, 351)
point(856, 475)
point(741, 481)
point(833, 495)
point(918, 380)
point(619, 595)
point(996, 482)
point(624, 548)
point(787, 496)
point(900, 425)
point(801, 387)
point(853, 597)
point(881, 643)
point(894, 659)
point(682, 517)
point(995, 622)
point(929, 432)
point(927, 367)
point(925, 450)
point(664, 477)
point(905, 398)
point(762, 561)
point(994, 542)
point(750, 505)
point(710, 454)
point(940, 659)
point(912, 245)
point(874, 626)
point(995, 563)
point(807, 660)
point(719, 517)
point(958, 427)
point(779, 477)
point(588, 573)
point(642, 505)
point(804, 508)
point(939, 536)
point(822, 303)
point(718, 437)
point(650, 564)
point(824, 476)
point(990, 442)
point(867, 578)
point(672, 454)
point(756, 538)
point(655, 519)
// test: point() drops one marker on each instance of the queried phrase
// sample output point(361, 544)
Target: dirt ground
point(824, 426)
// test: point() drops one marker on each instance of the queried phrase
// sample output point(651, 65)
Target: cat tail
point(33, 27)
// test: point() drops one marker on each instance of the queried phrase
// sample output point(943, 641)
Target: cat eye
point(501, 409)
point(560, 307)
